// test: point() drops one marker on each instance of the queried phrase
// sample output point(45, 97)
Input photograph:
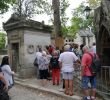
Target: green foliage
point(27, 9)
point(42, 6)
point(79, 20)
point(4, 5)
point(94, 3)
point(64, 4)
point(2, 40)
point(64, 30)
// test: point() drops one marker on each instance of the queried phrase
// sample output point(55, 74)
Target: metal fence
point(103, 82)
point(77, 79)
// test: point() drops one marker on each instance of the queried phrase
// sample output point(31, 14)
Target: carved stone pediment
point(14, 23)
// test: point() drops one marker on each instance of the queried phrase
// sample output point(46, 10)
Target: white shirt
point(49, 57)
point(67, 59)
point(43, 63)
point(6, 70)
point(38, 55)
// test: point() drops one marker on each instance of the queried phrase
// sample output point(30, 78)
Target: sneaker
point(61, 90)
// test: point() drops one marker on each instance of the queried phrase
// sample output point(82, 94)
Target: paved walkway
point(19, 92)
point(35, 84)
point(50, 89)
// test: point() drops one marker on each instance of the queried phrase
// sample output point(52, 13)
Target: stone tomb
point(102, 31)
point(23, 38)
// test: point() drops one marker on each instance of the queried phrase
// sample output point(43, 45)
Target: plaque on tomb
point(30, 49)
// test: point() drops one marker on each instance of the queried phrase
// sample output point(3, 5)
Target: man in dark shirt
point(2, 80)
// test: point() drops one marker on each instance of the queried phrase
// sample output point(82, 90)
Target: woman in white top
point(6, 70)
point(43, 64)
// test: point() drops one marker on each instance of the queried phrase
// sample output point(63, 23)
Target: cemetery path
point(31, 88)
point(22, 93)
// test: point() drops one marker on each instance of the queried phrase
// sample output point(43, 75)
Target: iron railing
point(77, 79)
point(103, 81)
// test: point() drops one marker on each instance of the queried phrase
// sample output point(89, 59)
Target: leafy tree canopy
point(27, 9)
point(2, 40)
point(94, 3)
point(79, 20)
point(4, 5)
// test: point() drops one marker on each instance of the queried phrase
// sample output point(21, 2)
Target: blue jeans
point(89, 79)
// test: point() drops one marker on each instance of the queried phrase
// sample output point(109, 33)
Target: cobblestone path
point(21, 93)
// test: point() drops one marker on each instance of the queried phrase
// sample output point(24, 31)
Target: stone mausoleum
point(24, 36)
point(102, 30)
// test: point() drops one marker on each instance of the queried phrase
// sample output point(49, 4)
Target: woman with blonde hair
point(43, 64)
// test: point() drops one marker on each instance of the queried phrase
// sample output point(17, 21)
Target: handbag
point(36, 62)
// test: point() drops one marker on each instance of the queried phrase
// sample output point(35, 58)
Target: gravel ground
point(21, 93)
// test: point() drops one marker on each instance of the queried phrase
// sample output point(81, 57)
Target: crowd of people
point(59, 63)
point(63, 62)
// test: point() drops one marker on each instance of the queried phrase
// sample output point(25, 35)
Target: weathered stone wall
point(102, 17)
point(102, 30)
point(102, 22)
point(33, 39)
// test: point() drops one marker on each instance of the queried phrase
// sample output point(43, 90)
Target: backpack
point(95, 65)
point(54, 62)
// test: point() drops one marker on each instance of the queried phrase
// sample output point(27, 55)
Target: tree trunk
point(57, 22)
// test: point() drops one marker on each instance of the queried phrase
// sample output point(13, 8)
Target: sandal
point(71, 94)
point(66, 92)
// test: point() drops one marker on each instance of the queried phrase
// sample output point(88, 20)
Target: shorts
point(43, 74)
point(68, 75)
point(89, 79)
